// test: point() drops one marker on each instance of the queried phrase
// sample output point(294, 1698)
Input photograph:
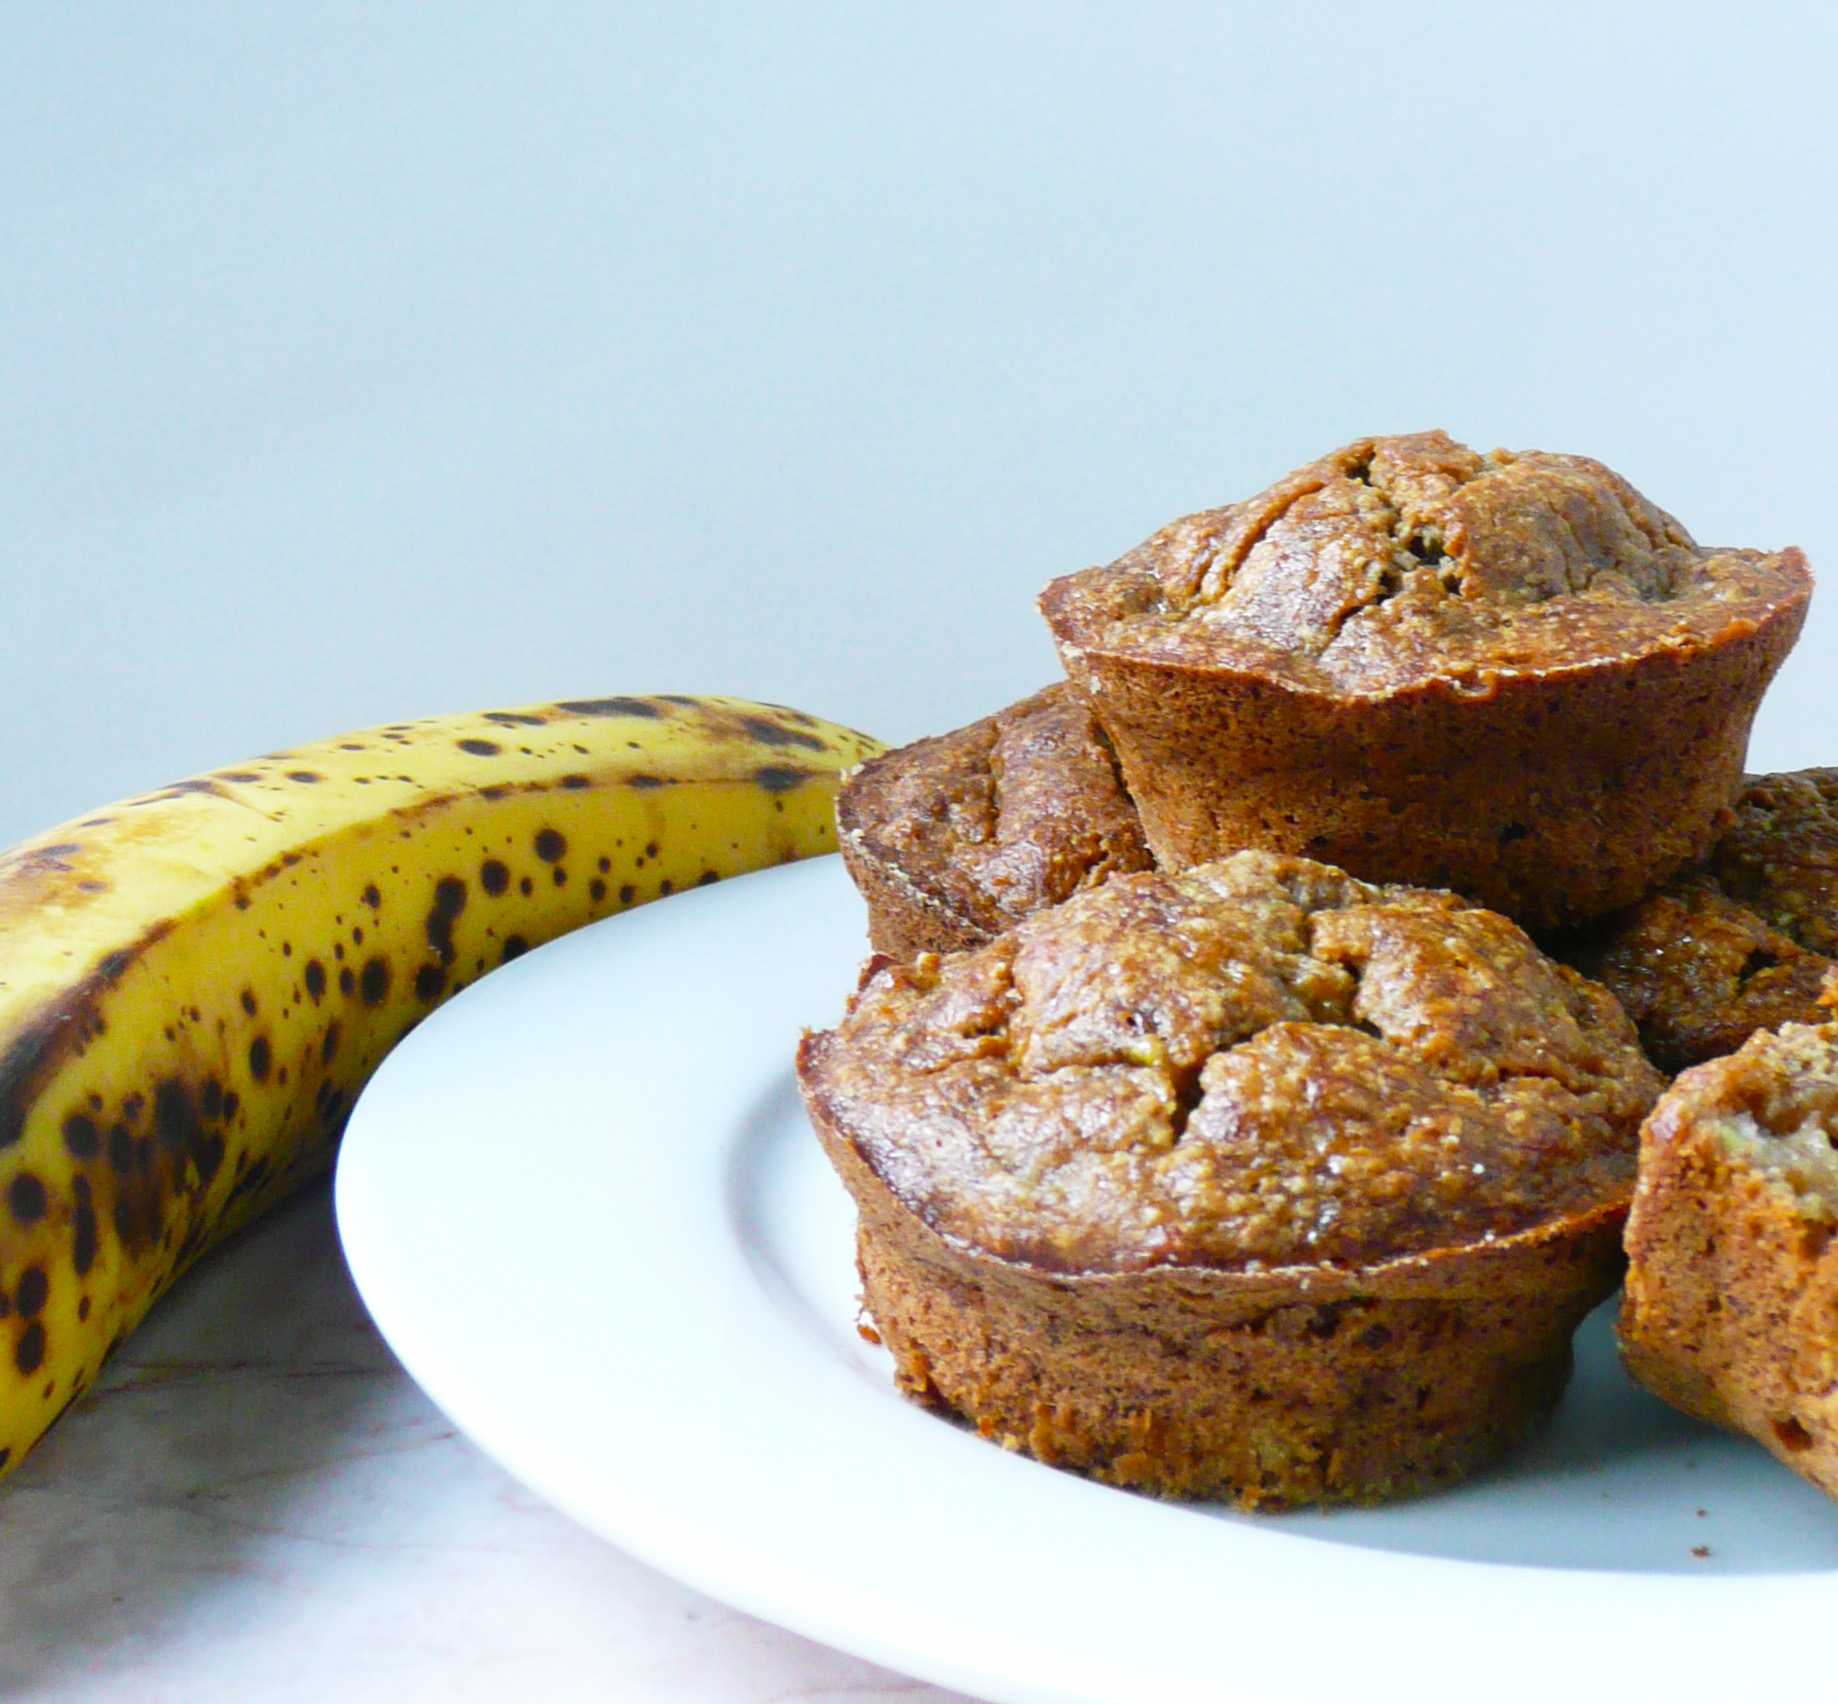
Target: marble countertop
point(255, 1498)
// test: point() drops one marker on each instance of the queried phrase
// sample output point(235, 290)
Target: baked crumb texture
point(1253, 1181)
point(1743, 941)
point(955, 838)
point(1506, 674)
point(1731, 1308)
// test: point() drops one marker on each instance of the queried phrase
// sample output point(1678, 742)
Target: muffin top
point(1012, 813)
point(1773, 1106)
point(1744, 941)
point(1401, 560)
point(1254, 1064)
point(1780, 860)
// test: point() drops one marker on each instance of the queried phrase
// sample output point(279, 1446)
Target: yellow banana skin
point(195, 984)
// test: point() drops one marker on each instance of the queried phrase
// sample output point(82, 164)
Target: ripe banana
point(194, 984)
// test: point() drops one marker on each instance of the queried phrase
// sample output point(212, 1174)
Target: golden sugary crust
point(1254, 1064)
point(1397, 562)
point(1742, 942)
point(955, 838)
point(1510, 675)
point(1731, 1308)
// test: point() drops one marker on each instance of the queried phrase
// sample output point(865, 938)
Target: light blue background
point(363, 362)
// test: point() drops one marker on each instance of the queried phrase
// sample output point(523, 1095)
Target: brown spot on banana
point(174, 1052)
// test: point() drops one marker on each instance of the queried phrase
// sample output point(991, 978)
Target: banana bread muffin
point(953, 839)
point(1731, 1310)
point(1743, 942)
point(1255, 1181)
point(1507, 674)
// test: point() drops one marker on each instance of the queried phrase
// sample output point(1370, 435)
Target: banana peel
point(196, 983)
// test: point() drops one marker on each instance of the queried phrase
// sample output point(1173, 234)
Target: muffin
point(1743, 942)
point(1508, 674)
point(1731, 1310)
point(1254, 1181)
point(953, 839)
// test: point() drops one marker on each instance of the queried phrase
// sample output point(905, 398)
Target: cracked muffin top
point(1400, 560)
point(1744, 941)
point(1254, 1064)
point(1012, 813)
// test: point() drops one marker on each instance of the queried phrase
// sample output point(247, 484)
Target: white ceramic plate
point(586, 1210)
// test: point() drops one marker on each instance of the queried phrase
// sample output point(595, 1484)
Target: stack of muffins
point(1244, 1100)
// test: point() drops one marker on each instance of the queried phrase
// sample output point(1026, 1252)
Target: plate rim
point(935, 1640)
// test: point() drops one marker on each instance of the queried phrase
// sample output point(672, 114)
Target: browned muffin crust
point(1780, 860)
point(1743, 942)
point(1509, 674)
point(955, 838)
point(1400, 561)
point(1731, 1310)
point(1270, 1389)
point(1260, 1062)
point(1255, 1086)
